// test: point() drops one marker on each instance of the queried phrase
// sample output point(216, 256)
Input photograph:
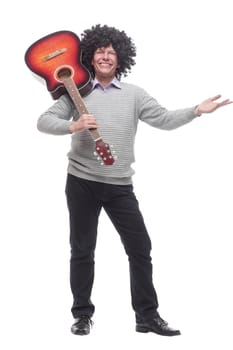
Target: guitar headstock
point(104, 153)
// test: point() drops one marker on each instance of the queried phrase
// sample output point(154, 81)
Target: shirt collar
point(114, 83)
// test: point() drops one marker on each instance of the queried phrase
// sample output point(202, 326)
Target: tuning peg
point(101, 163)
point(115, 157)
point(95, 153)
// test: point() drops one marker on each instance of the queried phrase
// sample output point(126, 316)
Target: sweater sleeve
point(151, 112)
point(57, 119)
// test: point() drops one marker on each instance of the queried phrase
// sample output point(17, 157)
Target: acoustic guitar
point(57, 59)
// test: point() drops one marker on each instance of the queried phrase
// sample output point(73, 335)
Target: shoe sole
point(80, 332)
point(142, 329)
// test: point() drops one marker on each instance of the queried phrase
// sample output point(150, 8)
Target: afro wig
point(102, 36)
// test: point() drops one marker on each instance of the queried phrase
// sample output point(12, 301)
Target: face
point(105, 63)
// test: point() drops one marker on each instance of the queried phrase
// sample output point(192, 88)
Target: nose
point(105, 55)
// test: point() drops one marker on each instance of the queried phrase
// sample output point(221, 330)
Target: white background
point(183, 182)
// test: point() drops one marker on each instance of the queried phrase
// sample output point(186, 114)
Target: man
point(115, 109)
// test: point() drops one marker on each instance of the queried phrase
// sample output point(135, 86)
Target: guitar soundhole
point(64, 72)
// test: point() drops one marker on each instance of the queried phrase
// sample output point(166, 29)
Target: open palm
point(210, 105)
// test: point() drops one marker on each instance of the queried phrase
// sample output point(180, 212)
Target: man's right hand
point(86, 121)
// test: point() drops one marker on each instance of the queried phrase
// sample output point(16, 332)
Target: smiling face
point(105, 63)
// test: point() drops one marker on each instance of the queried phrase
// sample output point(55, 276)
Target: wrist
point(71, 128)
point(197, 111)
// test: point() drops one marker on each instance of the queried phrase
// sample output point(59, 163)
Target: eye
point(99, 51)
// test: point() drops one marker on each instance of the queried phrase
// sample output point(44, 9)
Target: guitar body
point(53, 52)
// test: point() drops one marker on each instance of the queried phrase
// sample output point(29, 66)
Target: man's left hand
point(210, 105)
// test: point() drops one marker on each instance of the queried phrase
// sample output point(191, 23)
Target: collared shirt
point(114, 83)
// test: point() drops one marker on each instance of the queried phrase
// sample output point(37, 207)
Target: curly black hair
point(102, 36)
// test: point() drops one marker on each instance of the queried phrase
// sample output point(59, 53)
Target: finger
point(89, 119)
point(91, 122)
point(215, 98)
point(86, 116)
point(225, 102)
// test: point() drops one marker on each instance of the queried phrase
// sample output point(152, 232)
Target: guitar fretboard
point(78, 102)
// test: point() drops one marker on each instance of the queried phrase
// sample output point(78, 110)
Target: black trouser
point(85, 200)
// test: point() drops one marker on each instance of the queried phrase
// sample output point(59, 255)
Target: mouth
point(105, 64)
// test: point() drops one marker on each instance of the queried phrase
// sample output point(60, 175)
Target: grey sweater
point(117, 112)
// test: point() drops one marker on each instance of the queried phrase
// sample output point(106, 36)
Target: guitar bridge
point(54, 54)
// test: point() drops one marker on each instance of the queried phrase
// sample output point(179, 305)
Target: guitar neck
point(78, 102)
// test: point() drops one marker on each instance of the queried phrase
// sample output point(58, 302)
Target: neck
point(104, 81)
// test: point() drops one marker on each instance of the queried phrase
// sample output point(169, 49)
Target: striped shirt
point(117, 110)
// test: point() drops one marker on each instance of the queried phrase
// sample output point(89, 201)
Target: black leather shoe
point(157, 325)
point(82, 325)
